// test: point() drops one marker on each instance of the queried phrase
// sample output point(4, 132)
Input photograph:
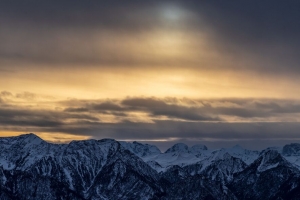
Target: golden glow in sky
point(96, 71)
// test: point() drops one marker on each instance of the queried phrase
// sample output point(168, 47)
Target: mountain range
point(31, 168)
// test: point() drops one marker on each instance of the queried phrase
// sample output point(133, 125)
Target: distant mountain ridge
point(31, 168)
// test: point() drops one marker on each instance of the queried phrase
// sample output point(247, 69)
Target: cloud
point(252, 36)
point(197, 110)
point(255, 30)
point(107, 106)
point(183, 119)
point(214, 108)
point(166, 130)
point(9, 117)
point(26, 95)
point(76, 109)
point(241, 49)
point(28, 117)
point(161, 108)
point(152, 106)
point(84, 14)
point(280, 107)
point(5, 94)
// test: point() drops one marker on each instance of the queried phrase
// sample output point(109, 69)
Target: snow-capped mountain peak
point(178, 148)
point(141, 150)
point(198, 148)
point(291, 149)
point(108, 169)
point(270, 159)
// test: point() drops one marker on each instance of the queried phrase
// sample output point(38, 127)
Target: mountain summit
point(107, 169)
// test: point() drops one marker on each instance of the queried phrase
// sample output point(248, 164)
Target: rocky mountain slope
point(31, 168)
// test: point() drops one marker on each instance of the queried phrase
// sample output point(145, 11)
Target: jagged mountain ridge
point(31, 168)
point(270, 176)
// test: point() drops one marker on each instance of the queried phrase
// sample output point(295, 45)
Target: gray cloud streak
point(210, 110)
point(82, 120)
point(160, 108)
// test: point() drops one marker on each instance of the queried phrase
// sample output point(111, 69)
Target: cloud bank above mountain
point(155, 71)
point(215, 122)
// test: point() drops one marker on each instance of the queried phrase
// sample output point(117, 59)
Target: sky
point(212, 72)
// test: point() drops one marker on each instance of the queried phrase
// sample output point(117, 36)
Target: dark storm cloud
point(266, 33)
